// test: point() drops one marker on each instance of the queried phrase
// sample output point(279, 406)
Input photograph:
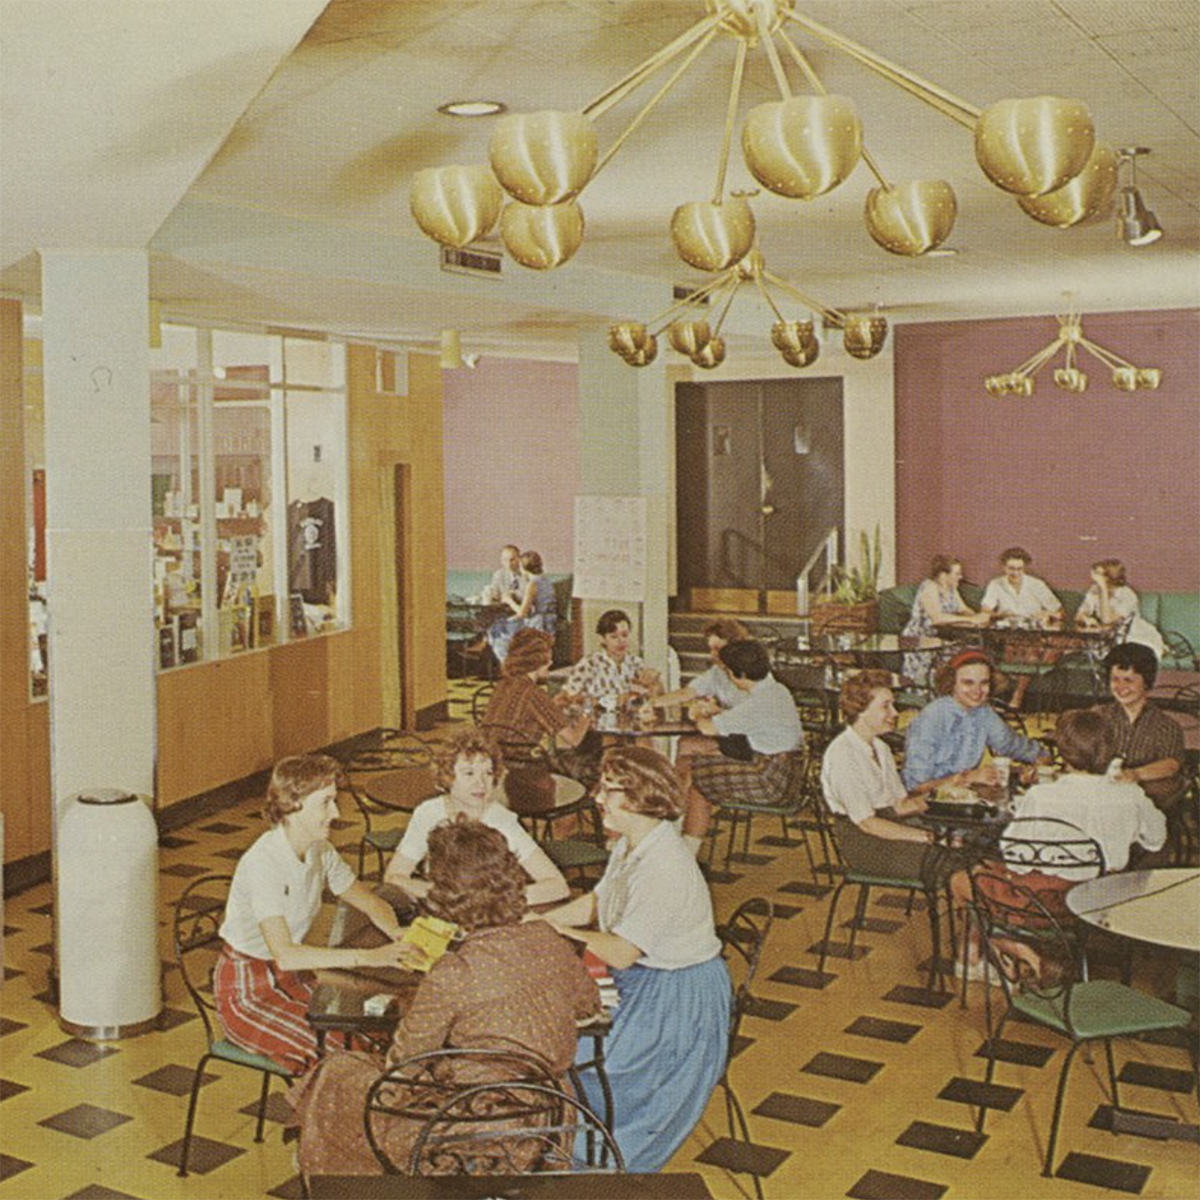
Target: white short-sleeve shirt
point(428, 815)
point(767, 717)
point(270, 881)
point(1123, 602)
point(857, 778)
point(1034, 598)
point(715, 682)
point(656, 898)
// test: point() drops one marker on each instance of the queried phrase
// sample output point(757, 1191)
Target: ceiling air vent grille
point(471, 262)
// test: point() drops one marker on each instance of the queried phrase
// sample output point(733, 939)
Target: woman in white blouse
point(650, 919)
point(1110, 602)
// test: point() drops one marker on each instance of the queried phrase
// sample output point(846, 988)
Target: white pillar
point(95, 329)
point(625, 449)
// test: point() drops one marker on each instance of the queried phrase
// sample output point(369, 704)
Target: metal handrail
point(827, 546)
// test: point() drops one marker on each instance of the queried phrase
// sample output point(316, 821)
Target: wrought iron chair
point(743, 937)
point(195, 935)
point(390, 778)
point(408, 1094)
point(1180, 653)
point(1057, 996)
point(1049, 846)
point(481, 697)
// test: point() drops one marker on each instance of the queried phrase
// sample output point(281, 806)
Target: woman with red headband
point(947, 738)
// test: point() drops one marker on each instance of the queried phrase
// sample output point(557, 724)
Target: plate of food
point(957, 800)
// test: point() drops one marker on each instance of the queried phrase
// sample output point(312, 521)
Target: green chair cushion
point(576, 852)
point(228, 1052)
point(852, 876)
point(1102, 1008)
point(384, 839)
point(1180, 612)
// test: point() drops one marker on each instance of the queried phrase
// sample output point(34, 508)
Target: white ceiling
point(262, 149)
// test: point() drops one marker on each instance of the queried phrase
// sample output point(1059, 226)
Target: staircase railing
point(827, 549)
point(740, 554)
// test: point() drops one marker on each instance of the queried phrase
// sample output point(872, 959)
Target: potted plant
point(853, 603)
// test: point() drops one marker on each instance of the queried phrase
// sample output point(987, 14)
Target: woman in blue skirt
point(650, 919)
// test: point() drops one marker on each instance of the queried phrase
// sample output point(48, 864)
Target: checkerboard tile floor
point(856, 1083)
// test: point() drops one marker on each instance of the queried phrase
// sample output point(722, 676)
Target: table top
point(568, 793)
point(403, 788)
point(1161, 906)
point(667, 1185)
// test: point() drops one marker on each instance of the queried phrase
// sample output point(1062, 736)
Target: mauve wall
point(1071, 478)
point(512, 461)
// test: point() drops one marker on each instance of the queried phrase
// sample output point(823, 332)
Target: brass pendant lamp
point(1041, 149)
point(1070, 376)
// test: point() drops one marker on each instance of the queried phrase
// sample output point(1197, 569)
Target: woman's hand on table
point(911, 805)
point(393, 954)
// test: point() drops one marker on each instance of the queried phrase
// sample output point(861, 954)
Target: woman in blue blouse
point(947, 738)
point(650, 919)
point(537, 608)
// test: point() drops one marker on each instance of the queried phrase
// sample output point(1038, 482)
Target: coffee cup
point(1003, 770)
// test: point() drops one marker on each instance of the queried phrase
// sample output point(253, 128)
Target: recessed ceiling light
point(472, 108)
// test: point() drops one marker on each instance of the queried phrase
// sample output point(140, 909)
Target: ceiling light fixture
point(1070, 377)
point(1041, 149)
point(472, 108)
point(1136, 224)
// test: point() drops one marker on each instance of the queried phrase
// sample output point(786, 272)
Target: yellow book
point(433, 935)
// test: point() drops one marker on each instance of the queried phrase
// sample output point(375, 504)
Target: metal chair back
point(1051, 845)
point(196, 941)
point(742, 939)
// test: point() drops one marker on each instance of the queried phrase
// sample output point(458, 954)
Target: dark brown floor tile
point(170, 1018)
point(842, 1066)
point(776, 839)
point(97, 1191)
point(232, 852)
point(290, 1189)
point(46, 948)
point(1165, 1079)
point(880, 1185)
point(85, 1121)
point(172, 1079)
point(882, 1030)
point(770, 1010)
point(205, 1154)
point(722, 877)
point(873, 925)
point(743, 1157)
point(168, 841)
point(9, 930)
point(751, 860)
point(8, 1025)
point(10, 1088)
point(1102, 1118)
point(799, 887)
point(841, 950)
point(44, 910)
point(919, 997)
point(10, 1166)
point(12, 973)
point(278, 1109)
point(899, 900)
point(942, 1139)
point(227, 827)
point(76, 1053)
point(981, 1095)
point(740, 1043)
point(800, 977)
point(184, 870)
point(1185, 1039)
point(798, 1110)
point(1024, 1054)
point(785, 912)
point(1104, 1172)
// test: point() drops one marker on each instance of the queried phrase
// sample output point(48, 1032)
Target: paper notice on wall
point(610, 548)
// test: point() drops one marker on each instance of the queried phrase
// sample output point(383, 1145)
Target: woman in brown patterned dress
point(508, 986)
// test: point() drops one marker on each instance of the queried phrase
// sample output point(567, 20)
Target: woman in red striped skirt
point(262, 980)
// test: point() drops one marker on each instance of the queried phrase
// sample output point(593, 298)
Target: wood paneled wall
point(220, 721)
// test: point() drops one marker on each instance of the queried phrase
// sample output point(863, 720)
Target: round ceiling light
point(472, 108)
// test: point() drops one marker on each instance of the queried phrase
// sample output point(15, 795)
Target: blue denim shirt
point(944, 738)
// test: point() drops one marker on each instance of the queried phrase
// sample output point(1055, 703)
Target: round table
point(1161, 906)
point(570, 796)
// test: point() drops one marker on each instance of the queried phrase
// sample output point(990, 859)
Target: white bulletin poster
point(610, 548)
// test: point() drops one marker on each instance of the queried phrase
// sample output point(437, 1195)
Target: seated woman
point(654, 927)
point(536, 609)
point(262, 980)
point(507, 986)
point(937, 602)
point(863, 791)
point(1110, 603)
point(611, 675)
point(946, 739)
point(469, 765)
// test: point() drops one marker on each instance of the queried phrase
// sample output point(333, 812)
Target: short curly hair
point(857, 689)
point(470, 742)
point(647, 778)
point(295, 779)
point(476, 879)
point(946, 675)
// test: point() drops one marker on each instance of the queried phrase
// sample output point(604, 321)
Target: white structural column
point(625, 450)
point(95, 328)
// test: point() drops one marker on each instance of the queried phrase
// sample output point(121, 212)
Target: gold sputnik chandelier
point(1041, 149)
point(1070, 377)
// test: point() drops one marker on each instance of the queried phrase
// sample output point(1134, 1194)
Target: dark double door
point(760, 479)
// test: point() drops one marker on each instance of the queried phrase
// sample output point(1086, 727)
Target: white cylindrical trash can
point(106, 915)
